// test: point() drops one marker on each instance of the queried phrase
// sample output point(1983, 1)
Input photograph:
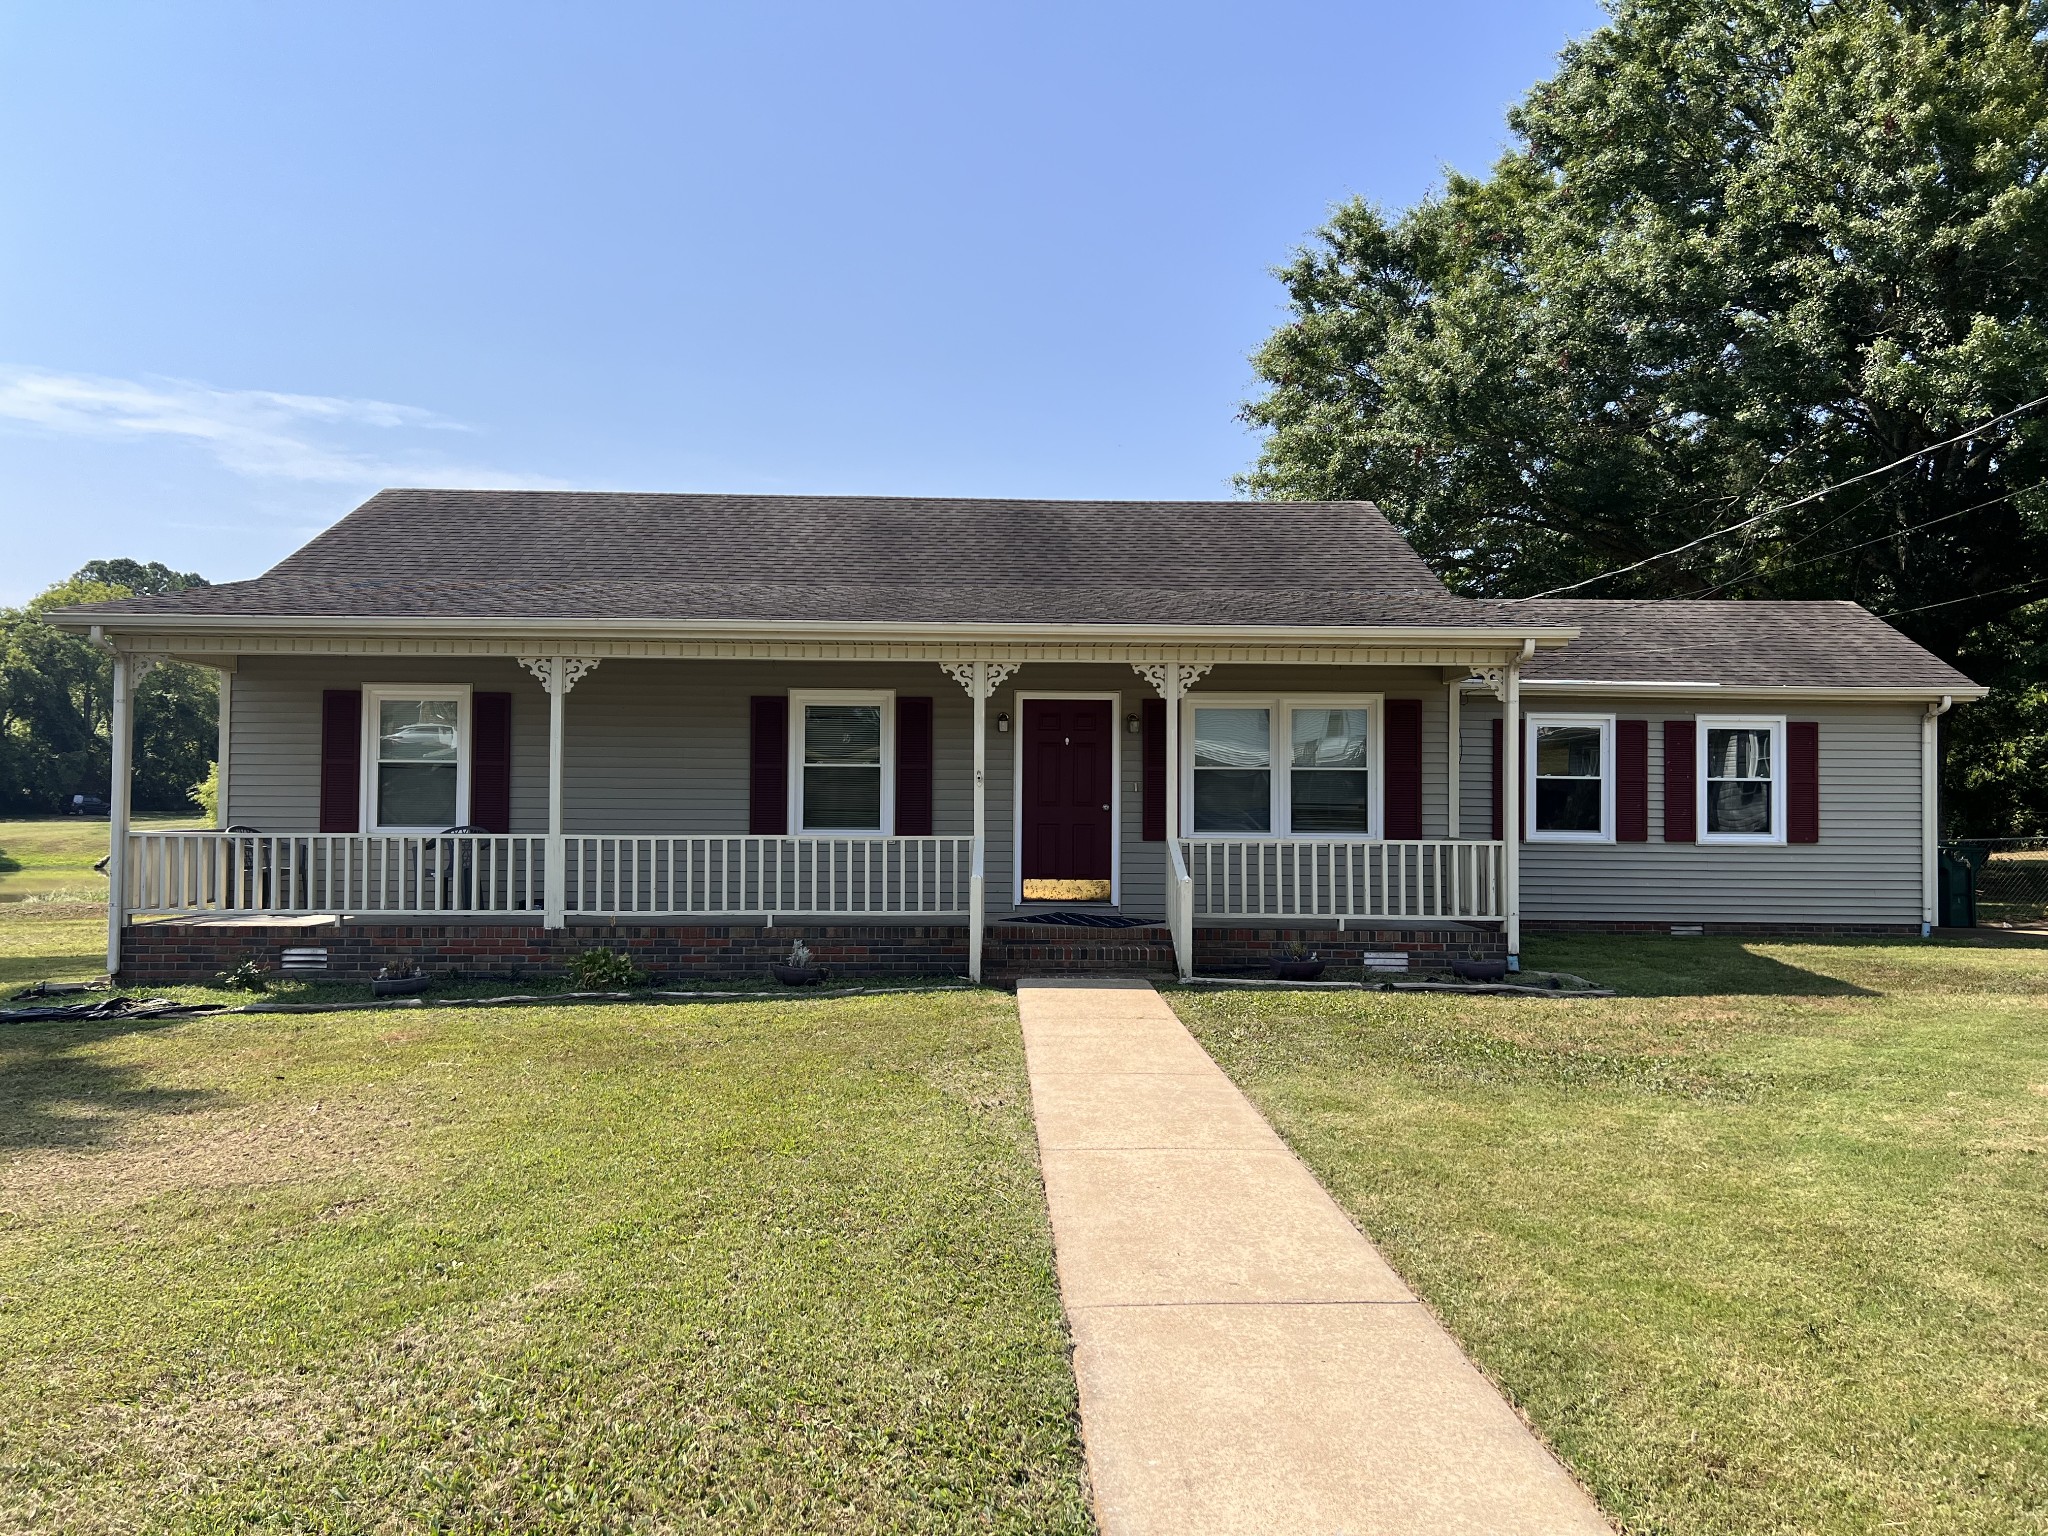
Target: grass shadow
point(1639, 965)
point(51, 1095)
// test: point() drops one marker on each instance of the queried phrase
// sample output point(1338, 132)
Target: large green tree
point(55, 699)
point(1739, 252)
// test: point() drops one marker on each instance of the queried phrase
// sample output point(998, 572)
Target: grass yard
point(51, 857)
point(752, 1266)
point(1761, 1247)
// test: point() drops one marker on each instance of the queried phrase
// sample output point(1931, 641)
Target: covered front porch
point(636, 780)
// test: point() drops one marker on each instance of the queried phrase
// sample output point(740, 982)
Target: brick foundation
point(193, 953)
point(1225, 951)
point(1744, 930)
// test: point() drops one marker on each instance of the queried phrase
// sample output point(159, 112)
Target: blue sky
point(258, 260)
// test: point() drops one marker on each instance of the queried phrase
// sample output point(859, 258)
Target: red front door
point(1067, 789)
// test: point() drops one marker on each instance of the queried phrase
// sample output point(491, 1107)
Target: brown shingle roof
point(1735, 644)
point(578, 554)
point(569, 555)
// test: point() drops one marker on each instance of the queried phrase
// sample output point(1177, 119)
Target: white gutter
point(1930, 812)
point(1548, 637)
point(1953, 691)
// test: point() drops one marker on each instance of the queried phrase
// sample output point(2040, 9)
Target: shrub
point(246, 977)
point(599, 970)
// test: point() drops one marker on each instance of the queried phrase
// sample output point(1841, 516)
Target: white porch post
point(1511, 802)
point(1170, 690)
point(977, 890)
point(121, 741)
point(1454, 743)
point(225, 713)
point(557, 887)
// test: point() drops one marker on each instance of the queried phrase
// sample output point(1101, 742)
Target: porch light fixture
point(1003, 723)
point(1133, 724)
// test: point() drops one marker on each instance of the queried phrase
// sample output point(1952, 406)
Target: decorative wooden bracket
point(962, 672)
point(574, 670)
point(1176, 675)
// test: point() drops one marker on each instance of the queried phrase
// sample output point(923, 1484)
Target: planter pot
point(1298, 970)
point(798, 975)
point(1479, 970)
point(399, 986)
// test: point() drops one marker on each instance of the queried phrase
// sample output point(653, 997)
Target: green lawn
point(757, 1266)
point(53, 856)
point(1761, 1247)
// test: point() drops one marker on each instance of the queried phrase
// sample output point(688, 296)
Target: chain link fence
point(2012, 877)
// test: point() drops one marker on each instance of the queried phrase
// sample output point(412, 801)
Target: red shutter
point(768, 766)
point(1152, 791)
point(1632, 781)
point(490, 761)
point(1500, 737)
point(1802, 781)
point(341, 760)
point(1522, 768)
point(913, 767)
point(1403, 766)
point(1681, 782)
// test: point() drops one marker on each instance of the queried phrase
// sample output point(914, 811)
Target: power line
point(1883, 538)
point(1750, 522)
point(1900, 613)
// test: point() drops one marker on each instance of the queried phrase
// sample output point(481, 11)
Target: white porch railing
point(302, 872)
point(489, 874)
point(718, 876)
point(1261, 877)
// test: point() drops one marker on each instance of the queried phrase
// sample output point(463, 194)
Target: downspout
point(1930, 812)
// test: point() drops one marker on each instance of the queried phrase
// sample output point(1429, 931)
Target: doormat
point(1066, 890)
point(1084, 920)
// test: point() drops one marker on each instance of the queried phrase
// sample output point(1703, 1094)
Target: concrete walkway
point(1247, 1360)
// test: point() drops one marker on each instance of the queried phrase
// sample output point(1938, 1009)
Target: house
point(487, 729)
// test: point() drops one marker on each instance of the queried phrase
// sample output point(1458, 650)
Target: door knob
point(1105, 807)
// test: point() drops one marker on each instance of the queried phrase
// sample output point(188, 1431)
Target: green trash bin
point(1956, 900)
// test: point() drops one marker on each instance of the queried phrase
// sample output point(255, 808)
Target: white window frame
point(1606, 833)
point(801, 697)
point(1281, 736)
point(373, 695)
point(1702, 724)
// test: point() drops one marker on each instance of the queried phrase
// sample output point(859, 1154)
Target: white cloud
point(259, 433)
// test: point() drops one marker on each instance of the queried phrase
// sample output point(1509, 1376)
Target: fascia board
point(566, 632)
point(1564, 688)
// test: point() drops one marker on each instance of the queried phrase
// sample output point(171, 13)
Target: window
point(1742, 785)
point(417, 768)
point(843, 767)
point(1571, 778)
point(1233, 770)
point(1328, 780)
point(1322, 787)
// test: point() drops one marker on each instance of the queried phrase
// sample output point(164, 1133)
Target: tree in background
point(1740, 253)
point(56, 694)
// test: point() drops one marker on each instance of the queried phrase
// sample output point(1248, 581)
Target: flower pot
point(1479, 970)
point(399, 986)
point(1297, 970)
point(798, 975)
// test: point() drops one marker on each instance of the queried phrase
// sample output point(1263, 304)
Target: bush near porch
point(1760, 1246)
point(767, 1265)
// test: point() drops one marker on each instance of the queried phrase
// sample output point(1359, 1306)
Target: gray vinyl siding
point(662, 746)
point(1864, 869)
point(273, 769)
